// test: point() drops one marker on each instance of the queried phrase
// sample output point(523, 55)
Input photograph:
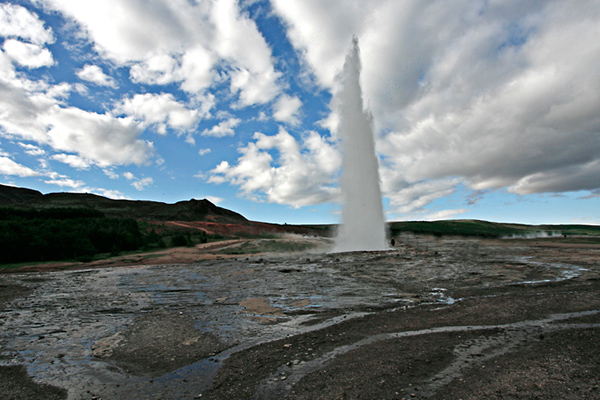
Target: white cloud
point(17, 21)
point(32, 111)
point(139, 184)
point(7, 69)
point(142, 183)
point(302, 175)
point(239, 41)
point(66, 182)
point(100, 138)
point(157, 69)
point(286, 109)
point(197, 69)
point(111, 194)
point(445, 214)
point(223, 128)
point(322, 31)
point(94, 74)
point(28, 54)
point(567, 179)
point(10, 167)
point(72, 160)
point(204, 152)
point(81, 89)
point(32, 150)
point(410, 199)
point(59, 92)
point(194, 69)
point(110, 173)
point(215, 200)
point(254, 88)
point(161, 110)
point(188, 42)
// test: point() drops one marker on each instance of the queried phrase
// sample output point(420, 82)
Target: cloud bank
point(488, 94)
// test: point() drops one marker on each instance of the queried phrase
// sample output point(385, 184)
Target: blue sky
point(486, 110)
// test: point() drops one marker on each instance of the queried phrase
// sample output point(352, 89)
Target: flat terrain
point(435, 318)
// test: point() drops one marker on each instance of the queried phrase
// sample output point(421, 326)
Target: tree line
point(58, 234)
point(63, 234)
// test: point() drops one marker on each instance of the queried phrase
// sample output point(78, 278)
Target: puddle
point(564, 271)
point(442, 296)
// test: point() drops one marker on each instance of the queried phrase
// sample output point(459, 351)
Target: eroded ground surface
point(432, 318)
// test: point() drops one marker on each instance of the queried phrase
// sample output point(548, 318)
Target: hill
point(10, 195)
point(190, 210)
point(476, 228)
point(36, 227)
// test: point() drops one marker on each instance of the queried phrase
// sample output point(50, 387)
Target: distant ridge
point(190, 210)
point(15, 195)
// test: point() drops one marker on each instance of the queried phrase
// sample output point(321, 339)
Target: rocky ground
point(432, 318)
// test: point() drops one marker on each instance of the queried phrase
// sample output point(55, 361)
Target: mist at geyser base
point(363, 224)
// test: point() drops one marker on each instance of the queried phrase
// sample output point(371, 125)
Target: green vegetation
point(460, 228)
point(488, 229)
point(585, 230)
point(60, 234)
point(63, 234)
point(187, 239)
point(321, 230)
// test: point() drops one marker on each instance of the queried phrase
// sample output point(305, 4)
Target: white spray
point(363, 225)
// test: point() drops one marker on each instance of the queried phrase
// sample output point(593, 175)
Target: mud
point(156, 344)
point(432, 318)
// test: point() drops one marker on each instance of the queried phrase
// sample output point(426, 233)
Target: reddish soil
point(246, 229)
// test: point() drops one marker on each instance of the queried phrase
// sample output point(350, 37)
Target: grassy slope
point(488, 229)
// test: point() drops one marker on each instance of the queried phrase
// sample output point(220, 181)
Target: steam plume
point(363, 226)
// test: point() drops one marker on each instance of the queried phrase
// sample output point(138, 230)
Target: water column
point(363, 224)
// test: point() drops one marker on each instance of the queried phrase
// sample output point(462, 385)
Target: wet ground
point(431, 318)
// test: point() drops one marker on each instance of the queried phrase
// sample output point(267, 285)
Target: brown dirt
point(9, 292)
point(156, 344)
point(249, 228)
point(259, 306)
point(175, 255)
point(171, 256)
point(15, 384)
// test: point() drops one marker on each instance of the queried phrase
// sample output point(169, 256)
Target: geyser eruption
point(363, 226)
